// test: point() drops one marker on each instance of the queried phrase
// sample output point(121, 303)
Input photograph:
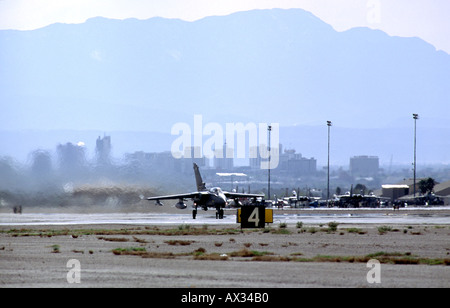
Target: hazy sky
point(427, 19)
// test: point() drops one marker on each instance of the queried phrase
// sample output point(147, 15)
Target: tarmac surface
point(434, 215)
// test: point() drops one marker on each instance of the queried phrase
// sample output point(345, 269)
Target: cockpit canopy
point(216, 190)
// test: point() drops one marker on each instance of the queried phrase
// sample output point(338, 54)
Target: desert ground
point(203, 256)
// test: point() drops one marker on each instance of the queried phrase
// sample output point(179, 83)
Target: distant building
point(296, 164)
point(41, 166)
point(290, 162)
point(164, 161)
point(443, 189)
point(222, 161)
point(103, 150)
point(394, 191)
point(364, 165)
point(196, 157)
point(255, 162)
point(158, 161)
point(71, 158)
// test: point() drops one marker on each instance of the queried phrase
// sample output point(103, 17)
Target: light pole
point(269, 129)
point(415, 117)
point(328, 173)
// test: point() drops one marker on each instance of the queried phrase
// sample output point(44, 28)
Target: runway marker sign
point(254, 216)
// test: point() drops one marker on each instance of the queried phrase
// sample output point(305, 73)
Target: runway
point(439, 216)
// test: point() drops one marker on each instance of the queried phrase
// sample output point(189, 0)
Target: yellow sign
point(269, 216)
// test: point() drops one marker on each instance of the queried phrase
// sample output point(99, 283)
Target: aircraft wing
point(178, 196)
point(232, 195)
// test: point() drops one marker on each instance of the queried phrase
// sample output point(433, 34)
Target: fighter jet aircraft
point(205, 198)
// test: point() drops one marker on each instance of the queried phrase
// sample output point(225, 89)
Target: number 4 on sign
point(254, 217)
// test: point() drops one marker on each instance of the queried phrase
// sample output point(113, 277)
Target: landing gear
point(219, 213)
point(194, 213)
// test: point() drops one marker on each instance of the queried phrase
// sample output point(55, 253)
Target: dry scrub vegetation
point(225, 248)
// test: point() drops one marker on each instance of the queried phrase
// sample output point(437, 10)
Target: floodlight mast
point(415, 117)
point(269, 128)
point(329, 124)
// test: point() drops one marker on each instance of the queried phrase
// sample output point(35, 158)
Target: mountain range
point(261, 66)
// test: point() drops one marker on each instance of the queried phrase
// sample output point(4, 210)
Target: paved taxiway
point(438, 215)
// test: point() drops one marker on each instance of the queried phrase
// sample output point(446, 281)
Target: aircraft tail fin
point(198, 178)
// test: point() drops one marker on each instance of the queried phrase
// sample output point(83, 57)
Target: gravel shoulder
point(224, 256)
